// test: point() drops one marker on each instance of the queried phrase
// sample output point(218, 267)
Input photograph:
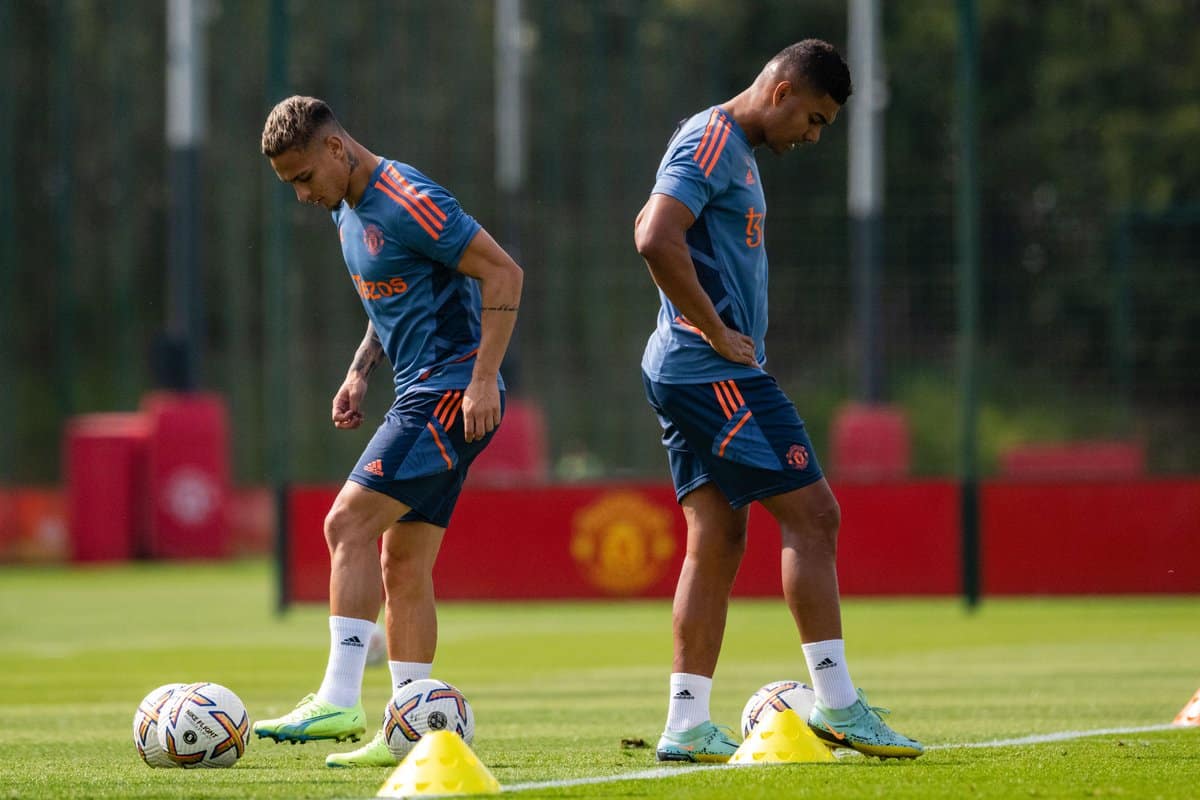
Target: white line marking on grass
point(670, 772)
point(643, 775)
point(1061, 736)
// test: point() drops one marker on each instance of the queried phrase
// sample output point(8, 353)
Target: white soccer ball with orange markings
point(774, 697)
point(203, 725)
point(419, 707)
point(145, 725)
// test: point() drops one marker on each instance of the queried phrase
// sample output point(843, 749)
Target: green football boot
point(314, 719)
point(373, 754)
point(706, 742)
point(859, 727)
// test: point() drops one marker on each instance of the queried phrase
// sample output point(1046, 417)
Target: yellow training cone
point(781, 738)
point(1190, 713)
point(441, 764)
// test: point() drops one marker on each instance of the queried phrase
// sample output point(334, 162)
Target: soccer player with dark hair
point(441, 299)
point(732, 436)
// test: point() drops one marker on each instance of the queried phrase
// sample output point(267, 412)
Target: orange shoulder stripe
point(413, 197)
point(712, 158)
point(407, 204)
point(704, 140)
point(417, 193)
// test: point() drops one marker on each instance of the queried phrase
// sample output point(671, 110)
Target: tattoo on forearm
point(503, 307)
point(368, 356)
point(365, 363)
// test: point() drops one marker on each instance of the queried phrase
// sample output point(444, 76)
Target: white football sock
point(688, 706)
point(348, 640)
point(830, 677)
point(406, 671)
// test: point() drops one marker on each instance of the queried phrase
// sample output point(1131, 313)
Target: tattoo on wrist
point(502, 307)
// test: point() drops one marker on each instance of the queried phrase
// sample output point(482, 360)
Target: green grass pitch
point(557, 686)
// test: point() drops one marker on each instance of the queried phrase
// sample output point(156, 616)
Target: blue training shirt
point(710, 167)
point(402, 244)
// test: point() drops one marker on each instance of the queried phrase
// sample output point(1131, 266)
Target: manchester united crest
point(797, 456)
point(622, 543)
point(373, 239)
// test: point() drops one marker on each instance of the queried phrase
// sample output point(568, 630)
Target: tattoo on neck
point(503, 307)
point(352, 159)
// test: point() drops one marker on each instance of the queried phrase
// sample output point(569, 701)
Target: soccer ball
point(203, 725)
point(422, 706)
point(145, 726)
point(777, 696)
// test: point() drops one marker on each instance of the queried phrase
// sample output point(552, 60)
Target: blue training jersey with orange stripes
point(710, 167)
point(402, 244)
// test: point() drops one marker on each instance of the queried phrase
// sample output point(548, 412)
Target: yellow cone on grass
point(441, 764)
point(781, 738)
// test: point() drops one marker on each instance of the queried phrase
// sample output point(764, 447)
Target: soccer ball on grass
point(203, 725)
point(145, 726)
point(422, 706)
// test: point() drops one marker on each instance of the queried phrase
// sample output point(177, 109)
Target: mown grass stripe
point(671, 772)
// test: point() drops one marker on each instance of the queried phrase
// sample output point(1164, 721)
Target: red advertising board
point(628, 540)
point(1139, 536)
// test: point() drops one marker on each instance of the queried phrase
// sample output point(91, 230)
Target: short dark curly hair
point(293, 123)
point(819, 63)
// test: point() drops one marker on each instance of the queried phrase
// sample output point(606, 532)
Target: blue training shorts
point(419, 456)
point(744, 435)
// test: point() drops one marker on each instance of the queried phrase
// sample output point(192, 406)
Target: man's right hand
point(735, 346)
point(346, 404)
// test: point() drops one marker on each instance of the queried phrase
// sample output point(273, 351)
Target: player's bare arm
point(500, 282)
point(348, 400)
point(660, 236)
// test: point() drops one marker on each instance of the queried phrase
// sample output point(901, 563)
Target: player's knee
point(404, 577)
point(717, 543)
point(828, 519)
point(340, 526)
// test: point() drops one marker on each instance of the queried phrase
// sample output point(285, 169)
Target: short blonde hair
point(293, 123)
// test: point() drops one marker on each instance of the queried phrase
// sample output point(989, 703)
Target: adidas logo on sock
point(352, 641)
point(684, 695)
point(825, 663)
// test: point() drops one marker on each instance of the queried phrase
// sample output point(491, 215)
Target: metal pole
point(8, 247)
point(121, 246)
point(238, 264)
point(1122, 320)
point(865, 190)
point(275, 312)
point(550, 193)
point(185, 135)
point(510, 100)
point(63, 127)
point(510, 142)
point(967, 241)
